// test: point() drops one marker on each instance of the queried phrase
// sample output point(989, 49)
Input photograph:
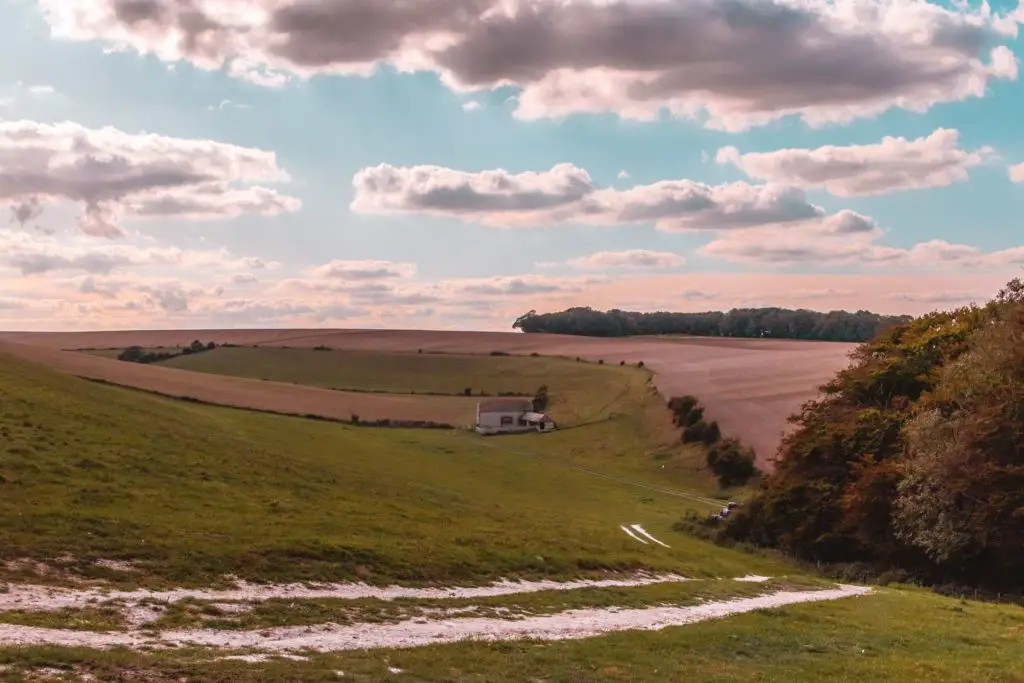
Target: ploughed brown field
point(750, 386)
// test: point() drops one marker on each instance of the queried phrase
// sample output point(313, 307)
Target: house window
point(506, 420)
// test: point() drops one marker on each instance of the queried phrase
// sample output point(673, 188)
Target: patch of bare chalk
point(753, 578)
point(47, 598)
point(568, 625)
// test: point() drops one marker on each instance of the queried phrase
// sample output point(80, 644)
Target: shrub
point(468, 391)
point(712, 433)
point(600, 362)
point(500, 353)
point(681, 407)
point(731, 462)
point(640, 365)
point(321, 347)
point(695, 415)
point(541, 399)
point(534, 355)
point(354, 419)
point(694, 432)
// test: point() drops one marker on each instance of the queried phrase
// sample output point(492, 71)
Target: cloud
point(363, 270)
point(623, 174)
point(566, 193)
point(697, 295)
point(224, 104)
point(36, 255)
point(631, 258)
point(243, 279)
point(114, 174)
point(940, 297)
point(739, 62)
point(472, 105)
point(858, 170)
point(826, 293)
point(779, 248)
point(1017, 172)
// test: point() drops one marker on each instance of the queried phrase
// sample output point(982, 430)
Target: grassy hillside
point(390, 372)
point(893, 636)
point(195, 492)
point(611, 416)
point(578, 389)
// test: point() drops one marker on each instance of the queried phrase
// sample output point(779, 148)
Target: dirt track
point(749, 386)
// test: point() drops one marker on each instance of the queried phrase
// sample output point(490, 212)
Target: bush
point(321, 347)
point(712, 434)
point(500, 353)
point(600, 362)
point(640, 365)
point(695, 415)
point(354, 419)
point(681, 407)
point(731, 462)
point(694, 432)
point(541, 399)
point(468, 391)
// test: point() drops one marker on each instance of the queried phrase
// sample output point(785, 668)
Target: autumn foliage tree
point(914, 456)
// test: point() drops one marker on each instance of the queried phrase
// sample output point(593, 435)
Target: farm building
point(509, 416)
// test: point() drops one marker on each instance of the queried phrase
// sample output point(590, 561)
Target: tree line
point(911, 463)
point(772, 323)
point(137, 354)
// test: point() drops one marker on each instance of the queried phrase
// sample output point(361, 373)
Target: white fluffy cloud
point(773, 247)
point(566, 193)
point(847, 171)
point(1017, 172)
point(114, 174)
point(629, 259)
point(32, 254)
point(740, 62)
point(363, 270)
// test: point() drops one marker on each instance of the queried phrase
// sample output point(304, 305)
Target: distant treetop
point(770, 323)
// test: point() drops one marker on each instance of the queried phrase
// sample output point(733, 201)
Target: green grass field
point(896, 635)
point(195, 492)
point(610, 416)
point(400, 372)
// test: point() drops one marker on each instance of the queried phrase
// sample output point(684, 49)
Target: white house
point(510, 415)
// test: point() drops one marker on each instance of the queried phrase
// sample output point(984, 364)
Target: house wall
point(490, 419)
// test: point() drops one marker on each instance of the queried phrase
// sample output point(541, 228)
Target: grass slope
point(195, 492)
point(578, 389)
point(611, 416)
point(894, 635)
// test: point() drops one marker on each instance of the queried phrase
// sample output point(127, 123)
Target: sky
point(452, 164)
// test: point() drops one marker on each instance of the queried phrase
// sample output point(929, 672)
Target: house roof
point(505, 405)
point(537, 417)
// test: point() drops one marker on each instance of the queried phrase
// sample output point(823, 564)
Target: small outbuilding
point(510, 416)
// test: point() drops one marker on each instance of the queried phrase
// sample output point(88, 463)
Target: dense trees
point(778, 323)
point(137, 354)
point(728, 460)
point(914, 457)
